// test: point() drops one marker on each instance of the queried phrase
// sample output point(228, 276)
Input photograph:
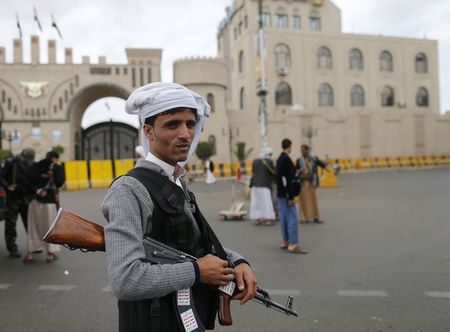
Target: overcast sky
point(185, 28)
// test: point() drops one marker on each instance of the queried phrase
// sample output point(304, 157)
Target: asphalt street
point(381, 262)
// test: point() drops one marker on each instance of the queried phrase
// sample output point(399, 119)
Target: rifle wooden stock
point(224, 310)
point(76, 232)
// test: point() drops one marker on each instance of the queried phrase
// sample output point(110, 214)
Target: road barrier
point(81, 174)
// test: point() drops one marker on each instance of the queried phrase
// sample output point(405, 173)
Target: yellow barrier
point(76, 175)
point(327, 179)
point(123, 166)
point(227, 169)
point(101, 173)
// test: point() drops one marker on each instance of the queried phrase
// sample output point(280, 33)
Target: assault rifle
point(76, 232)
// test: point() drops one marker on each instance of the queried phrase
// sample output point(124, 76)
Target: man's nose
point(184, 132)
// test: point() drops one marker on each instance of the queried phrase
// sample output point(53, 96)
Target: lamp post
point(262, 83)
point(310, 132)
point(10, 137)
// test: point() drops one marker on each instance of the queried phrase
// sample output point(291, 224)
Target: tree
point(58, 149)
point(4, 154)
point(204, 150)
point(240, 152)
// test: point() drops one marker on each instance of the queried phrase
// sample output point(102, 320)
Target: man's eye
point(191, 125)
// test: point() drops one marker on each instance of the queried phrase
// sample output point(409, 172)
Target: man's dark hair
point(52, 154)
point(151, 120)
point(286, 143)
point(305, 146)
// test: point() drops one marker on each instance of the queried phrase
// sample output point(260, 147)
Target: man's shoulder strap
point(166, 193)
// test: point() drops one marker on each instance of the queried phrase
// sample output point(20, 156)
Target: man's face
point(305, 151)
point(171, 136)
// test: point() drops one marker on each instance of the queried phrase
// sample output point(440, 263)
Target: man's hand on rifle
point(214, 271)
point(246, 283)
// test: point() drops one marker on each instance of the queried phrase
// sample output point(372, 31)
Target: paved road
point(381, 262)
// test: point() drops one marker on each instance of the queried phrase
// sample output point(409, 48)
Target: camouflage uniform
point(16, 200)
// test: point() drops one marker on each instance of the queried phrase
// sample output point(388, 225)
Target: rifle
point(75, 232)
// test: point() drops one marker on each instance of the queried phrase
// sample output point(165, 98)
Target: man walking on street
point(17, 197)
point(286, 204)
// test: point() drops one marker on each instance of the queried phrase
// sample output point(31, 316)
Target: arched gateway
point(42, 104)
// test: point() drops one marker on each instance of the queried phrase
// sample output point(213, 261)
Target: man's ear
point(149, 132)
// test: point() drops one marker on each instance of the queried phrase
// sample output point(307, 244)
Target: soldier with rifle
point(152, 201)
point(17, 197)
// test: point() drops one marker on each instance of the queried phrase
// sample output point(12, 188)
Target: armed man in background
point(153, 201)
point(17, 198)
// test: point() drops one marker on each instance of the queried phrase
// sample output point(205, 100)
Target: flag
point(55, 26)
point(18, 26)
point(36, 18)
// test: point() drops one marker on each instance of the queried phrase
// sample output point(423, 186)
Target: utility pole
point(261, 89)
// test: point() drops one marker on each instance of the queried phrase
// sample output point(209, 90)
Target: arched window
point(212, 142)
point(386, 62)
point(241, 61)
point(356, 60)
point(357, 96)
point(387, 96)
point(421, 63)
point(283, 94)
point(210, 101)
point(324, 59)
point(242, 99)
point(282, 56)
point(326, 96)
point(422, 97)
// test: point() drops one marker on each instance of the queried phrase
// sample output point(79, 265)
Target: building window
point(241, 28)
point(210, 101)
point(267, 20)
point(282, 56)
point(60, 104)
point(66, 95)
point(314, 23)
point(149, 75)
point(241, 62)
point(235, 33)
point(125, 71)
point(141, 75)
point(3, 96)
point(421, 63)
point(283, 94)
point(386, 62)
point(71, 89)
point(422, 97)
point(9, 104)
point(324, 59)
point(282, 21)
point(356, 60)
point(133, 77)
point(357, 96)
point(77, 81)
point(117, 71)
point(242, 99)
point(387, 96)
point(245, 22)
point(212, 142)
point(296, 22)
point(326, 95)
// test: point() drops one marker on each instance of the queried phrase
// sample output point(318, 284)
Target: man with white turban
point(263, 175)
point(152, 200)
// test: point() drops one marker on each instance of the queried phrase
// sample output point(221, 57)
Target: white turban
point(266, 152)
point(155, 98)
